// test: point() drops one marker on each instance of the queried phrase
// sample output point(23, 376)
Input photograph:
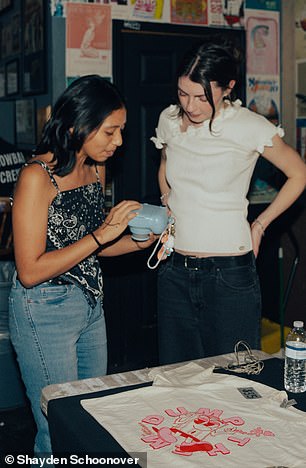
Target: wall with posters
point(81, 19)
point(78, 41)
point(261, 19)
point(25, 79)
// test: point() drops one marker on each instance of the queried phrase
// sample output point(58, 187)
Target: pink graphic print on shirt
point(187, 432)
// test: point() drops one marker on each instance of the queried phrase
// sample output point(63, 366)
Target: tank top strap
point(97, 173)
point(46, 168)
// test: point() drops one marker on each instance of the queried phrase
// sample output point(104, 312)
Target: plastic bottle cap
point(298, 324)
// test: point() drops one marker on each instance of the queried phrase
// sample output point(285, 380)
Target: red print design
point(187, 432)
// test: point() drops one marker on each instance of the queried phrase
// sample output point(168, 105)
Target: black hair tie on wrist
point(97, 242)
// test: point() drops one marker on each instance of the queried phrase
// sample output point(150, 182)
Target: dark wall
point(52, 67)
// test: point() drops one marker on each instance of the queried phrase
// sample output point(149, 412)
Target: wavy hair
point(210, 61)
point(80, 110)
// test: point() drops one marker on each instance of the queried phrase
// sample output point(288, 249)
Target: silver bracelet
point(256, 221)
point(164, 195)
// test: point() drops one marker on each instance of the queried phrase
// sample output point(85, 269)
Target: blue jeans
point(207, 305)
point(58, 338)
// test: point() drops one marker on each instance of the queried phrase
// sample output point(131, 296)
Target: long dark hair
point(210, 61)
point(80, 110)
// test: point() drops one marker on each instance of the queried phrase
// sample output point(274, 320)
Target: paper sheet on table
point(191, 418)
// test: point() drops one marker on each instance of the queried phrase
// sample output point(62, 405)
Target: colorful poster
point(263, 81)
point(263, 70)
point(149, 9)
point(215, 13)
point(189, 11)
point(88, 39)
point(263, 96)
point(300, 29)
point(233, 12)
point(262, 45)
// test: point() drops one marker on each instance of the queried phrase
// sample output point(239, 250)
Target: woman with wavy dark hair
point(208, 289)
point(60, 227)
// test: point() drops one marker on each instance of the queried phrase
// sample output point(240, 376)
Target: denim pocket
point(238, 278)
point(50, 294)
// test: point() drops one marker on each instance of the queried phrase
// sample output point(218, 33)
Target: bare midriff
point(208, 254)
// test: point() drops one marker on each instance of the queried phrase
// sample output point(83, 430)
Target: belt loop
point(195, 259)
point(14, 279)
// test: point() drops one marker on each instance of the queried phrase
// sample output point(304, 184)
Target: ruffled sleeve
point(268, 139)
point(158, 141)
point(163, 130)
point(256, 131)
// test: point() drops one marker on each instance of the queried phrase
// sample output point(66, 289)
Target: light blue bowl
point(150, 218)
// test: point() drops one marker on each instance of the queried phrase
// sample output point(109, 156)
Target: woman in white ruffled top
point(208, 290)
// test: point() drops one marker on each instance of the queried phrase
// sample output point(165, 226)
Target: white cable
point(154, 251)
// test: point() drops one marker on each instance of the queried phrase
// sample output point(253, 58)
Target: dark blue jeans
point(207, 305)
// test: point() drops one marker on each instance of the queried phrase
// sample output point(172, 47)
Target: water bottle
point(295, 359)
point(59, 9)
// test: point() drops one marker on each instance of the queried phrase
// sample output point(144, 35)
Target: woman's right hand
point(117, 221)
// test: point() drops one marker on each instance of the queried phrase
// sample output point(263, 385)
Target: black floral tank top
point(72, 215)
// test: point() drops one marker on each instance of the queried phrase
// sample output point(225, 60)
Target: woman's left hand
point(142, 245)
point(257, 234)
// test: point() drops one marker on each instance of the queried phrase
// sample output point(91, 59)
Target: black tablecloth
point(73, 430)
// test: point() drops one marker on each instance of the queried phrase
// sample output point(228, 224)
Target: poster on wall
point(189, 12)
point(233, 12)
point(262, 45)
point(88, 39)
point(227, 13)
point(300, 29)
point(34, 60)
point(149, 9)
point(263, 69)
point(263, 96)
point(263, 82)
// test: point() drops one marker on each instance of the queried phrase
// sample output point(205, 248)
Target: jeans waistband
point(199, 263)
point(59, 281)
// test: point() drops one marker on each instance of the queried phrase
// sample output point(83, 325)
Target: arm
point(162, 180)
point(290, 163)
point(126, 245)
point(32, 198)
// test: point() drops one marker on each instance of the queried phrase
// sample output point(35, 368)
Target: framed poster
point(6, 41)
point(33, 80)
point(12, 77)
point(16, 34)
point(88, 39)
point(33, 74)
point(25, 121)
point(2, 81)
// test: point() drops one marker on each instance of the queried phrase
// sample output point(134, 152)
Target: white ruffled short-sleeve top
point(209, 173)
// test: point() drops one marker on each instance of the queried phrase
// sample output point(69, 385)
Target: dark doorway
point(145, 57)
